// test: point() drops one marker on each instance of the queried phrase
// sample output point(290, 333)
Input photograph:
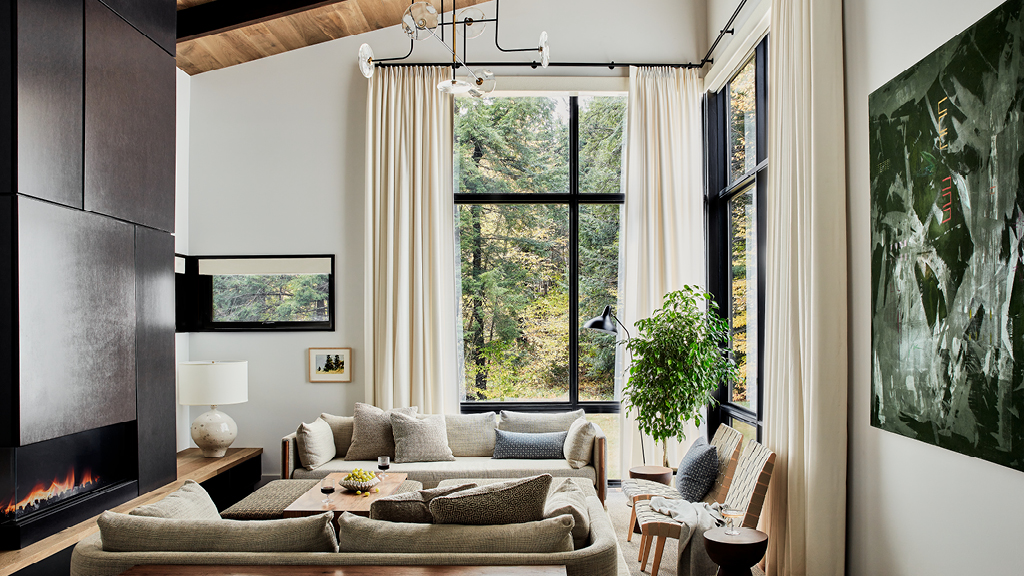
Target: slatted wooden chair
point(727, 441)
point(747, 492)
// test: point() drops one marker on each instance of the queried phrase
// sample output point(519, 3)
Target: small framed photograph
point(330, 364)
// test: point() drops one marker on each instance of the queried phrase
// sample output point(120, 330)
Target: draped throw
point(805, 333)
point(410, 297)
point(663, 216)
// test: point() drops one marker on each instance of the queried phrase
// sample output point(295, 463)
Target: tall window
point(538, 200)
point(737, 170)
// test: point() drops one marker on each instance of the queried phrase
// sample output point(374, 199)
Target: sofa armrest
point(600, 461)
point(289, 456)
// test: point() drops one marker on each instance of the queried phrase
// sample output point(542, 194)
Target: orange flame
point(57, 488)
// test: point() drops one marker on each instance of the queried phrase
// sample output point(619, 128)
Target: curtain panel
point(806, 318)
point(663, 216)
point(410, 297)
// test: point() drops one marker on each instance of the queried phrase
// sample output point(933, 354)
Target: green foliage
point(678, 362)
point(272, 297)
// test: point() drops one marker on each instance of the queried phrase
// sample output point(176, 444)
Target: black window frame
point(573, 200)
point(720, 190)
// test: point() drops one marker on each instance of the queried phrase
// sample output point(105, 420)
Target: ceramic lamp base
point(213, 432)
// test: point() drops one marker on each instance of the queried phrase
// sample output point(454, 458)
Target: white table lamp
point(213, 384)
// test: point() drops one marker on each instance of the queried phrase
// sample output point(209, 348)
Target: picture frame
point(323, 365)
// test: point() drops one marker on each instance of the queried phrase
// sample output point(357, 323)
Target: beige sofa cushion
point(190, 502)
point(315, 442)
point(579, 443)
point(512, 421)
point(126, 533)
point(471, 434)
point(371, 432)
point(341, 427)
point(422, 439)
point(568, 498)
point(411, 506)
point(508, 502)
point(358, 534)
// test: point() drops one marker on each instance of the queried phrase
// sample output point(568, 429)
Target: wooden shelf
point(191, 466)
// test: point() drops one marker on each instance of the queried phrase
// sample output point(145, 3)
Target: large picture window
point(737, 169)
point(538, 202)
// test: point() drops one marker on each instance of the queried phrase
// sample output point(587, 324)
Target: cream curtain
point(410, 297)
point(663, 217)
point(806, 335)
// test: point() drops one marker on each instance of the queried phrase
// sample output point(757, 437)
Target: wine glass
point(327, 488)
point(383, 463)
point(731, 516)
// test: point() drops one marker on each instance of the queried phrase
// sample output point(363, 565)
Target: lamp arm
point(628, 337)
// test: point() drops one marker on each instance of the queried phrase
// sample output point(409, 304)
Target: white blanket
point(696, 518)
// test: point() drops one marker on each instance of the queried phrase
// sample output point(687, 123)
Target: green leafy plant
point(678, 361)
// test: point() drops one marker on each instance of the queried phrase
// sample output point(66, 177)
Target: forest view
point(270, 297)
point(515, 257)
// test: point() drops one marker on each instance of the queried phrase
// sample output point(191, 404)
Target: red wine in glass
point(383, 463)
point(327, 489)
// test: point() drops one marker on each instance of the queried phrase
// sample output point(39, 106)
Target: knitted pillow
point(420, 439)
point(341, 426)
point(512, 421)
point(471, 434)
point(509, 502)
point(315, 443)
point(569, 498)
point(697, 471)
point(411, 506)
point(579, 443)
point(540, 446)
point(190, 502)
point(371, 432)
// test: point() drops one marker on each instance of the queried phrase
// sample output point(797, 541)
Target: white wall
point(913, 508)
point(276, 149)
point(184, 84)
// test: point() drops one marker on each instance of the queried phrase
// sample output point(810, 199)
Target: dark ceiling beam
point(224, 15)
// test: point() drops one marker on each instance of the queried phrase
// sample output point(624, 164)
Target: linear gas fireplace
point(50, 485)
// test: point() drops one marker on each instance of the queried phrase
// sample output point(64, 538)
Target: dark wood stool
point(735, 554)
point(653, 473)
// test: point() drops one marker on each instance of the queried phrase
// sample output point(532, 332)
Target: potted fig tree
point(679, 359)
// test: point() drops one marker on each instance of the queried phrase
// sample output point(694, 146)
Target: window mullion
point(574, 225)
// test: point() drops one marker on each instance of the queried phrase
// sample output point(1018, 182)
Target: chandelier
point(420, 22)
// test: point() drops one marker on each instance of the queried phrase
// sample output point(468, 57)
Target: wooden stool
point(735, 554)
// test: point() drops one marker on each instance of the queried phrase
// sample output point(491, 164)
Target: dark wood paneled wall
point(87, 130)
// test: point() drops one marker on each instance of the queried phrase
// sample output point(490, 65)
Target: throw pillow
point(411, 506)
point(420, 440)
point(371, 432)
point(543, 445)
point(509, 502)
point(579, 443)
point(697, 471)
point(341, 427)
point(126, 533)
point(537, 422)
point(358, 534)
point(471, 434)
point(570, 499)
point(315, 442)
point(190, 502)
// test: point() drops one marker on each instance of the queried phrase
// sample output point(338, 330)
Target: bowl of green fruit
point(359, 480)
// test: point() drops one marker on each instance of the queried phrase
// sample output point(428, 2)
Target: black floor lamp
point(603, 323)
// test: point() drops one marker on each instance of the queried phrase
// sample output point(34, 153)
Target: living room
point(271, 159)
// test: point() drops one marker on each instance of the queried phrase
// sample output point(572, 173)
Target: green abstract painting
point(947, 260)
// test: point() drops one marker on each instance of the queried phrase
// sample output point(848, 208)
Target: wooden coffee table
point(311, 503)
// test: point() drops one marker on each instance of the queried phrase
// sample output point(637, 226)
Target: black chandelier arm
point(497, 8)
point(380, 61)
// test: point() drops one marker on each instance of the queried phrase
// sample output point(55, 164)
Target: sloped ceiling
point(214, 34)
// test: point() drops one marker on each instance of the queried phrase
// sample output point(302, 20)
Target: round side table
point(735, 554)
point(655, 473)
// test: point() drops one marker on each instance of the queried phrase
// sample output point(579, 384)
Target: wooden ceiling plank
point(261, 36)
point(308, 28)
point(221, 16)
point(243, 46)
point(221, 50)
point(198, 56)
point(352, 17)
point(285, 33)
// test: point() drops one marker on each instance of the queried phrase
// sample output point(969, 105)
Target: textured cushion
point(341, 427)
point(471, 434)
point(411, 506)
point(537, 422)
point(315, 442)
point(268, 502)
point(420, 439)
point(190, 502)
point(568, 498)
point(126, 533)
point(371, 432)
point(509, 502)
point(697, 471)
point(531, 446)
point(579, 443)
point(367, 535)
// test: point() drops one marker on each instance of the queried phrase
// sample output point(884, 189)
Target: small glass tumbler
point(732, 515)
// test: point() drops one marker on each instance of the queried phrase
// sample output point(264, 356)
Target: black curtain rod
point(610, 65)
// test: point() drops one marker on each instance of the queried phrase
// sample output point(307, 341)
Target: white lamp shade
point(213, 383)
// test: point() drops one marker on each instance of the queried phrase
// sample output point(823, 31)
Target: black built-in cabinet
point(87, 143)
